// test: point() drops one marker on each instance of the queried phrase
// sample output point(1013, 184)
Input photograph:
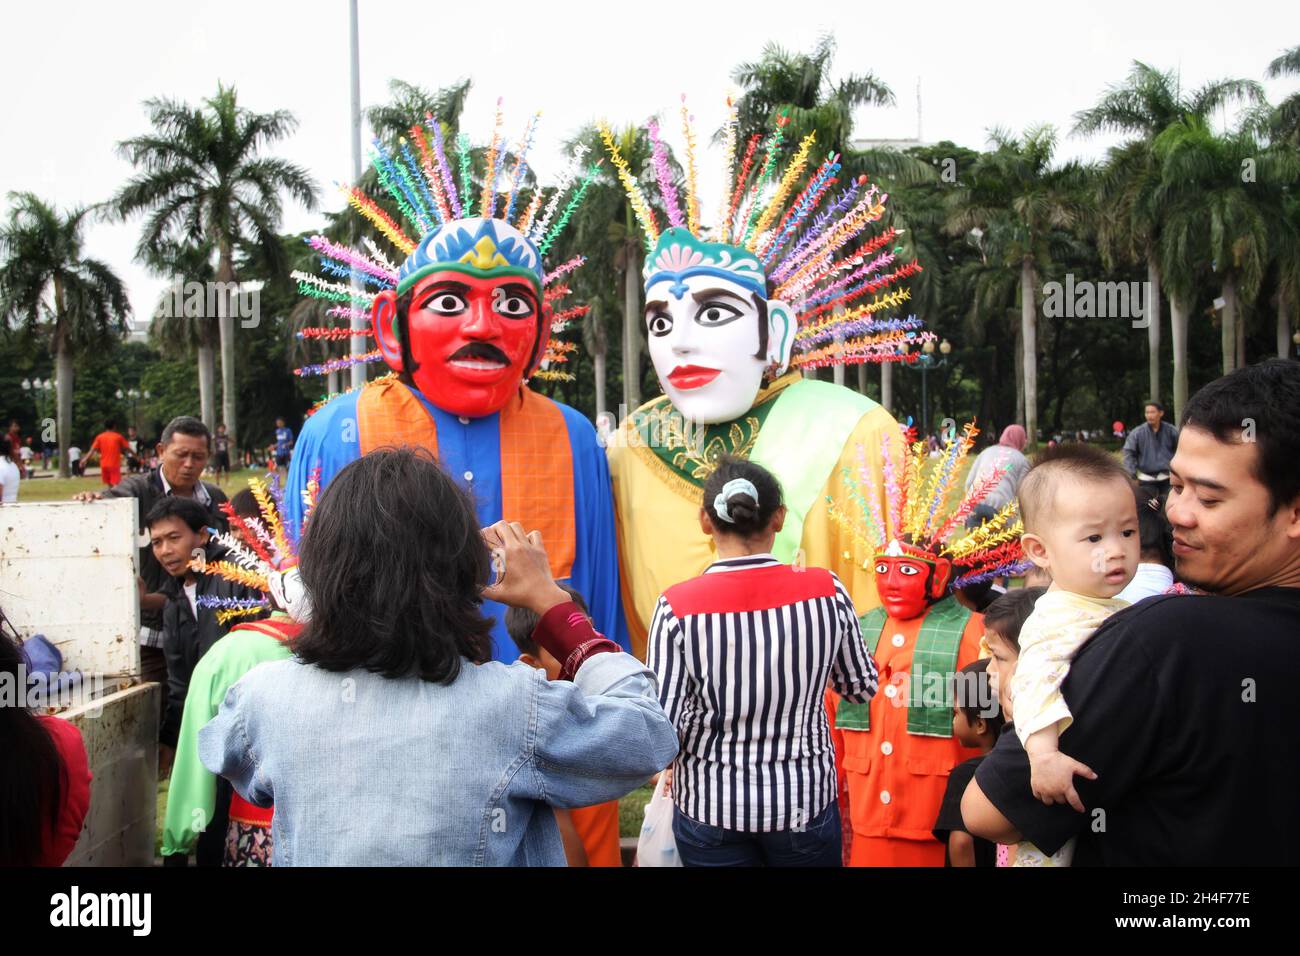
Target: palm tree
point(1225, 195)
point(1286, 122)
point(1145, 104)
point(204, 179)
point(799, 85)
point(1017, 199)
point(175, 330)
point(48, 284)
point(605, 228)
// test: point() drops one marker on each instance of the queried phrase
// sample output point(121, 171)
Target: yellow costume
point(804, 431)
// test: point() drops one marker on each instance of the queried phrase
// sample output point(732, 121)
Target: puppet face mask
point(474, 318)
point(710, 329)
point(908, 585)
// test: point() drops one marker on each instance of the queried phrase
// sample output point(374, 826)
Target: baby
point(1081, 525)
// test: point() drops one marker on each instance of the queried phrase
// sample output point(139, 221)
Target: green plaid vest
point(934, 661)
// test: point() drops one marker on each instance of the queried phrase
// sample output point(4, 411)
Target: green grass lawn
point(631, 811)
point(61, 489)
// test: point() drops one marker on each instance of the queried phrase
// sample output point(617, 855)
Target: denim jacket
point(366, 770)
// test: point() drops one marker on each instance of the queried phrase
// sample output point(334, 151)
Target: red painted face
point(471, 338)
point(907, 586)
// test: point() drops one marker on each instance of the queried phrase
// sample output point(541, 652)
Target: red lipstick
point(692, 376)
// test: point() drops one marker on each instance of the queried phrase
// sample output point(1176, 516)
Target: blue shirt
point(470, 451)
point(283, 440)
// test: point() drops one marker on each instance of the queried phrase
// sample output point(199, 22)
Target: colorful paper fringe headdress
point(923, 519)
point(260, 550)
point(813, 249)
point(488, 230)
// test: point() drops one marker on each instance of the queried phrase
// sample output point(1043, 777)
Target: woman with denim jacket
point(391, 737)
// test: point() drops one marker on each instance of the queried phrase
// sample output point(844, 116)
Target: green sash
point(934, 661)
point(801, 441)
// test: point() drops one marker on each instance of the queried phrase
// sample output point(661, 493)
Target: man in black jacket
point(183, 454)
point(178, 534)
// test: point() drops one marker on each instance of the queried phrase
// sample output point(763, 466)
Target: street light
point(924, 363)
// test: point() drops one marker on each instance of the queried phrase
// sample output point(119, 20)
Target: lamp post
point(133, 395)
point(924, 364)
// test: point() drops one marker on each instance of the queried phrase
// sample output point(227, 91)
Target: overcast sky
point(76, 73)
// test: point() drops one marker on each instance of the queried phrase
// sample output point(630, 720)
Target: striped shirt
point(743, 654)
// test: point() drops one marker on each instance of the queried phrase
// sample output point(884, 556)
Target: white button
point(469, 476)
point(464, 420)
point(886, 748)
point(891, 691)
point(884, 796)
point(898, 640)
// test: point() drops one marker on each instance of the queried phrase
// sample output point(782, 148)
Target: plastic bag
point(656, 846)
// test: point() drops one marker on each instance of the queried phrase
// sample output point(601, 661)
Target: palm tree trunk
point(332, 382)
point(598, 375)
point(632, 320)
point(207, 381)
point(1240, 325)
point(1228, 325)
point(226, 274)
point(1029, 332)
point(1018, 350)
point(63, 381)
point(1283, 323)
point(1178, 334)
point(1153, 327)
point(862, 378)
point(887, 386)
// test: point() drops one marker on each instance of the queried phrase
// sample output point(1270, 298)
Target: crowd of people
point(1073, 727)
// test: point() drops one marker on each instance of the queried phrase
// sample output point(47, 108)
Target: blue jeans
point(817, 844)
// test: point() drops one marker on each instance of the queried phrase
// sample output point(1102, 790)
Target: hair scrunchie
point(734, 486)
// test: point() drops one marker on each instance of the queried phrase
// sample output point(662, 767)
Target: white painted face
point(704, 343)
point(288, 591)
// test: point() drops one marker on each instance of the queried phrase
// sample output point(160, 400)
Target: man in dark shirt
point(183, 453)
point(1184, 705)
point(1149, 449)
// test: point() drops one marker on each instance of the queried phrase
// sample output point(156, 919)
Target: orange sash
point(536, 457)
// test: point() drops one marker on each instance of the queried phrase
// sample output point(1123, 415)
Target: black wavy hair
point(748, 517)
point(1266, 395)
point(32, 773)
point(393, 561)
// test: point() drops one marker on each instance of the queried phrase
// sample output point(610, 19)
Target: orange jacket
point(896, 780)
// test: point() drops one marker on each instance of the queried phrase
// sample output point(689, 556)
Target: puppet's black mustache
point(480, 350)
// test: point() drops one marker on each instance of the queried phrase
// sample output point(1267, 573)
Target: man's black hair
point(521, 622)
point(394, 562)
point(1264, 398)
point(748, 517)
point(185, 425)
point(1007, 615)
point(111, 424)
point(1154, 404)
point(174, 506)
